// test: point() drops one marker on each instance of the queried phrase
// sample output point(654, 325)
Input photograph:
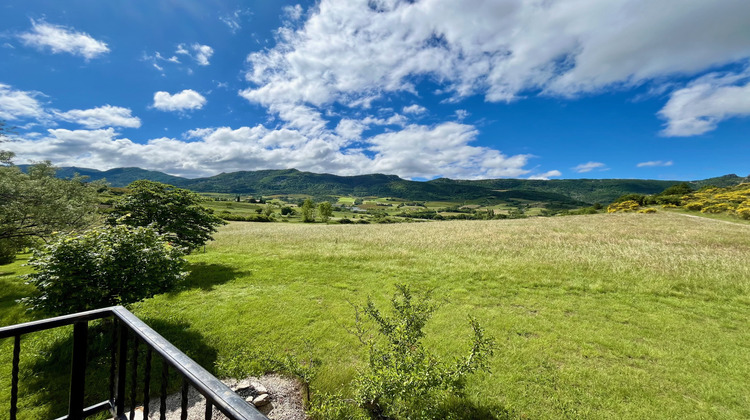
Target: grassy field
point(626, 316)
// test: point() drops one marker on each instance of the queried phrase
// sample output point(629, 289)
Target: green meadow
point(626, 316)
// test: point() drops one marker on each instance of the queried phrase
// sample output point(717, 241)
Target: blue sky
point(420, 89)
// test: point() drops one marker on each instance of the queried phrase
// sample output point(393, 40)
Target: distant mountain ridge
point(563, 192)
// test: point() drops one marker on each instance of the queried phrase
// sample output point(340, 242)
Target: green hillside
point(562, 193)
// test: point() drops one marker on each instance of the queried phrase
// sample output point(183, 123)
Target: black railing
point(217, 394)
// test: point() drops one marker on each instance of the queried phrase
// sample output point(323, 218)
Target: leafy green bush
point(403, 380)
point(101, 267)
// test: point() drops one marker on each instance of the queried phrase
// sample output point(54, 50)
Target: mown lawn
point(604, 316)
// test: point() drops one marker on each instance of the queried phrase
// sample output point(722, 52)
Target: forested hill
point(566, 192)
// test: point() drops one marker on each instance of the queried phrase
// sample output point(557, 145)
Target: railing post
point(78, 370)
point(122, 371)
point(14, 377)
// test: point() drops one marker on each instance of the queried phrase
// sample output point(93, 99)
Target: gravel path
point(286, 400)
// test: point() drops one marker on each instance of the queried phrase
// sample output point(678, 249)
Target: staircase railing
point(128, 331)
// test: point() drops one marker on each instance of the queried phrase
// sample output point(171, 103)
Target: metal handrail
point(215, 392)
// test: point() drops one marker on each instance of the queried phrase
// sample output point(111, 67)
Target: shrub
point(695, 205)
point(287, 211)
point(403, 379)
point(716, 208)
point(624, 206)
point(743, 211)
point(647, 211)
point(102, 267)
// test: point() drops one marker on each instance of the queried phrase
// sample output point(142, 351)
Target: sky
point(539, 89)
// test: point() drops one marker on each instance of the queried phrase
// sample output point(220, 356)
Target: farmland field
point(603, 316)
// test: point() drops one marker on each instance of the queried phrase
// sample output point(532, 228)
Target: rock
point(243, 384)
point(250, 400)
point(266, 408)
point(261, 400)
point(258, 387)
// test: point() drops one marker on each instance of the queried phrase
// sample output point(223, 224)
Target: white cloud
point(293, 12)
point(200, 53)
point(234, 19)
point(703, 103)
point(417, 151)
point(104, 116)
point(61, 39)
point(186, 100)
point(654, 163)
point(546, 175)
point(590, 166)
point(443, 150)
point(18, 104)
point(414, 109)
point(346, 55)
point(350, 129)
point(346, 51)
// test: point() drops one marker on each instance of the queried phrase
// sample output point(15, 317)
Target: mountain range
point(563, 192)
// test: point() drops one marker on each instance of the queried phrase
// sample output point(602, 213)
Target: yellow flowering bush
point(624, 206)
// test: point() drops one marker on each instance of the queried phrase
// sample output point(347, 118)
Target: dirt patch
point(285, 392)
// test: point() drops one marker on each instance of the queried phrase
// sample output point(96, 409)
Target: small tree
point(111, 265)
point(403, 379)
point(308, 211)
point(325, 210)
point(172, 211)
point(35, 204)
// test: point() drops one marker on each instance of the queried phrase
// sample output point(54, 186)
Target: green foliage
point(403, 379)
point(172, 211)
point(33, 205)
point(308, 211)
point(325, 210)
point(287, 211)
point(268, 211)
point(111, 265)
point(225, 215)
point(638, 198)
point(682, 188)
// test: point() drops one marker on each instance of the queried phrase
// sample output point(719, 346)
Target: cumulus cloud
point(417, 151)
point(350, 50)
point(187, 100)
point(703, 103)
point(590, 166)
point(59, 39)
point(441, 150)
point(200, 53)
point(104, 116)
point(654, 163)
point(339, 58)
point(19, 104)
